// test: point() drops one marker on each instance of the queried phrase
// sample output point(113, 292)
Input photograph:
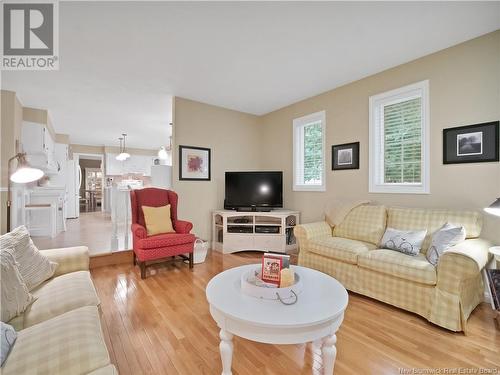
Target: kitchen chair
point(160, 246)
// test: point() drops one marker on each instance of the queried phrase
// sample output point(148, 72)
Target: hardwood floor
point(94, 229)
point(162, 325)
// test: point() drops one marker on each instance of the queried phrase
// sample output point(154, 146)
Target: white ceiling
point(121, 62)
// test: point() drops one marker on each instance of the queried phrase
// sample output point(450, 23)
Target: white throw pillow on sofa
point(34, 267)
point(15, 296)
point(447, 236)
point(405, 241)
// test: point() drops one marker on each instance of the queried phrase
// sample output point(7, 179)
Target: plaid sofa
point(445, 295)
point(60, 333)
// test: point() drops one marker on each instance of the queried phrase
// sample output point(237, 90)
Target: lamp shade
point(24, 175)
point(494, 208)
point(122, 156)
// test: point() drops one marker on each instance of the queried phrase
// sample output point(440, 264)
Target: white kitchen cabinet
point(38, 144)
point(61, 157)
point(137, 164)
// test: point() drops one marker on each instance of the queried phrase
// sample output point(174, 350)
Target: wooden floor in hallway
point(162, 325)
point(94, 229)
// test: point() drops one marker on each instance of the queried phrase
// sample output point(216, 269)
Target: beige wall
point(40, 116)
point(85, 149)
point(464, 89)
point(62, 138)
point(234, 140)
point(11, 122)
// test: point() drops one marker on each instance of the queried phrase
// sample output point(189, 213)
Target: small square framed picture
point(345, 156)
point(471, 144)
point(194, 163)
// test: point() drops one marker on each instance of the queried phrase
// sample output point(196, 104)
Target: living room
point(321, 146)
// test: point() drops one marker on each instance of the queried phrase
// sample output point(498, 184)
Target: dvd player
point(268, 229)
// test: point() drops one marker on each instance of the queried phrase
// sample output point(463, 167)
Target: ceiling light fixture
point(162, 153)
point(124, 155)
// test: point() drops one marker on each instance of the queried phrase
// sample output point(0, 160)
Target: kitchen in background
point(86, 190)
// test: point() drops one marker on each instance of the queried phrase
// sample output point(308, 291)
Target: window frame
point(376, 139)
point(298, 150)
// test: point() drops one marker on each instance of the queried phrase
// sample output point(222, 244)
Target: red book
point(271, 269)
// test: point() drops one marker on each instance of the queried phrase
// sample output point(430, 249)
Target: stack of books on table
point(494, 281)
point(276, 270)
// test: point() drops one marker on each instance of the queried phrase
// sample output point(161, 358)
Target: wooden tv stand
point(234, 231)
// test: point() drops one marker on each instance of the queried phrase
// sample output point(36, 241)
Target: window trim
point(297, 124)
point(376, 164)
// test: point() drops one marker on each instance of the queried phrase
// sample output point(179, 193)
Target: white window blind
point(403, 142)
point(309, 152)
point(399, 140)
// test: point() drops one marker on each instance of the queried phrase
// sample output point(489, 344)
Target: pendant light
point(119, 156)
point(124, 155)
point(162, 153)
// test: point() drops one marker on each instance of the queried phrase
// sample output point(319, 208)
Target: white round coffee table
point(315, 317)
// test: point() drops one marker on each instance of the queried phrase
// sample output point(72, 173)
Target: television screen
point(254, 190)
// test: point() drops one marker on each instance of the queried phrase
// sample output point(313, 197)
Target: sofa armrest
point(462, 262)
point(183, 227)
point(305, 232)
point(69, 259)
point(138, 231)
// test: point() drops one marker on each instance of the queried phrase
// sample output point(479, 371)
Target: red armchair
point(147, 248)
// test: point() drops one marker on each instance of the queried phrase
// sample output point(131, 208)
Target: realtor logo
point(30, 36)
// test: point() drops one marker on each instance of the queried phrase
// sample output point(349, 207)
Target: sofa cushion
point(339, 248)
point(432, 220)
point(15, 297)
point(414, 268)
point(34, 267)
point(165, 240)
point(158, 220)
point(408, 242)
point(8, 337)
point(59, 295)
point(69, 344)
point(364, 223)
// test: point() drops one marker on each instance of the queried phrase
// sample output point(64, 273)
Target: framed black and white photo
point(345, 156)
point(194, 163)
point(471, 144)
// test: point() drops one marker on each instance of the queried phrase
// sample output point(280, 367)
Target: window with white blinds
point(309, 152)
point(399, 140)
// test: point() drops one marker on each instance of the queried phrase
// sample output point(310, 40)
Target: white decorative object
point(405, 241)
point(251, 287)
point(33, 266)
point(200, 251)
point(234, 231)
point(14, 293)
point(315, 317)
point(445, 237)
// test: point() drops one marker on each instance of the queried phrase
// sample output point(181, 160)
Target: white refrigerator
point(73, 183)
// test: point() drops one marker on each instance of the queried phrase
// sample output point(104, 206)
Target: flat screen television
point(253, 191)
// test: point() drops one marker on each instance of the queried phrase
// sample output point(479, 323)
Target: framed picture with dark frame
point(194, 163)
point(471, 144)
point(345, 156)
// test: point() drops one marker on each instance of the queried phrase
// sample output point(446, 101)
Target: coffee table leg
point(226, 351)
point(328, 353)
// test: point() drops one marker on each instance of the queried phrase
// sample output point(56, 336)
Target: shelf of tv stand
point(229, 242)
